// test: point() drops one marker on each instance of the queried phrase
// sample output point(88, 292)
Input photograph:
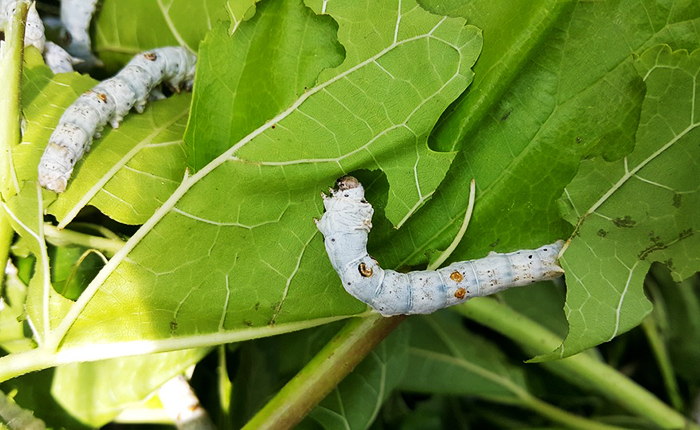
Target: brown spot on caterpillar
point(150, 56)
point(102, 96)
point(456, 276)
point(365, 271)
point(460, 293)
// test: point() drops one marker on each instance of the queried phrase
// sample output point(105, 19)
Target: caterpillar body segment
point(345, 226)
point(109, 102)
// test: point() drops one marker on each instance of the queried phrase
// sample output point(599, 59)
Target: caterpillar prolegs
point(345, 226)
point(109, 101)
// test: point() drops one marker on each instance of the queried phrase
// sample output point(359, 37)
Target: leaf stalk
point(325, 370)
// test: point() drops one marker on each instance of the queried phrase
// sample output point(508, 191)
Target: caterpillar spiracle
point(108, 102)
point(345, 226)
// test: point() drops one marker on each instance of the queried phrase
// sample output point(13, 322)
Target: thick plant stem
point(6, 234)
point(335, 361)
point(11, 78)
point(582, 368)
point(658, 347)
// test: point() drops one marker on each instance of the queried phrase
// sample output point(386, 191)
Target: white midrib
point(630, 173)
point(171, 25)
point(56, 337)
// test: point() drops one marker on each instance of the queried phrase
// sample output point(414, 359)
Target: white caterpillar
point(109, 101)
point(76, 16)
point(348, 220)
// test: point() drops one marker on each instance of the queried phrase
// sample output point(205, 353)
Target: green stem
point(225, 388)
point(11, 78)
point(335, 361)
point(69, 237)
point(581, 368)
point(658, 347)
point(563, 417)
point(6, 235)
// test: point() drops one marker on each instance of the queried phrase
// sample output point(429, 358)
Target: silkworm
point(76, 16)
point(345, 226)
point(108, 102)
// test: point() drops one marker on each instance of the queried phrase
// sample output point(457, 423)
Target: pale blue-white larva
point(108, 102)
point(76, 16)
point(345, 226)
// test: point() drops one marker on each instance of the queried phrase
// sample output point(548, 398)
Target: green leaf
point(73, 267)
point(514, 29)
point(96, 392)
point(45, 307)
point(529, 144)
point(635, 211)
point(12, 335)
point(126, 27)
point(447, 359)
point(244, 81)
point(33, 391)
point(233, 253)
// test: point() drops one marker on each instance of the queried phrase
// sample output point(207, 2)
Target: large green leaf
point(447, 359)
point(578, 96)
point(244, 81)
point(233, 253)
point(638, 210)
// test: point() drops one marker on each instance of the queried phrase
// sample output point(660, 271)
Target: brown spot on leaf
point(676, 200)
point(602, 233)
point(625, 222)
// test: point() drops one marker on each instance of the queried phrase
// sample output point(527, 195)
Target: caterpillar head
point(349, 187)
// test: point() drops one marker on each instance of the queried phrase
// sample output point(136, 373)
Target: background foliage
point(577, 121)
